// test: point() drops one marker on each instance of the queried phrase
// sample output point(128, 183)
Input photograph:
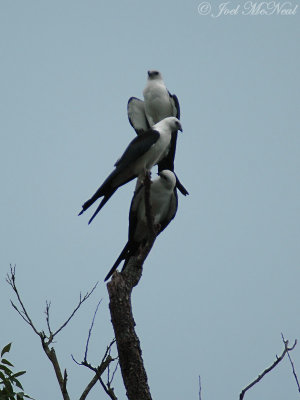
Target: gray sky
point(222, 282)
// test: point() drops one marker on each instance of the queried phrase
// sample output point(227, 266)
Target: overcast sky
point(222, 281)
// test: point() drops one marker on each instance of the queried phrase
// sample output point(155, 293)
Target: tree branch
point(119, 289)
point(267, 370)
point(81, 301)
point(106, 360)
point(62, 380)
point(292, 364)
point(98, 372)
point(90, 332)
point(11, 280)
point(46, 339)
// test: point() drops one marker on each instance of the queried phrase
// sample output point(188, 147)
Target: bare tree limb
point(119, 289)
point(98, 372)
point(90, 331)
point(81, 301)
point(106, 360)
point(47, 312)
point(110, 380)
point(108, 390)
point(46, 340)
point(292, 364)
point(11, 280)
point(267, 370)
point(88, 388)
point(62, 380)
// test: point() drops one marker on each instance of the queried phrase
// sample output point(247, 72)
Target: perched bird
point(164, 201)
point(140, 156)
point(158, 104)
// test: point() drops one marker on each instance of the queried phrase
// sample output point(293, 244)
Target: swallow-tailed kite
point(158, 104)
point(163, 199)
point(140, 156)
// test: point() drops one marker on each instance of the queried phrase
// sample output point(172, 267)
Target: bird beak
point(149, 74)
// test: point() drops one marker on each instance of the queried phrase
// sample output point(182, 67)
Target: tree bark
point(128, 344)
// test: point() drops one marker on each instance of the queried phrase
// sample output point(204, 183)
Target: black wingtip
point(91, 219)
point(180, 187)
point(104, 200)
point(113, 269)
point(81, 212)
point(184, 191)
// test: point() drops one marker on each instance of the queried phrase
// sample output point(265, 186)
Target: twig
point(98, 372)
point(90, 331)
point(200, 398)
point(47, 312)
point(108, 390)
point(62, 380)
point(278, 359)
point(113, 374)
point(81, 301)
point(46, 340)
point(106, 360)
point(292, 364)
point(11, 280)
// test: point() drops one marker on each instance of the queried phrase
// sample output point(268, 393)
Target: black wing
point(172, 211)
point(175, 105)
point(137, 148)
point(168, 161)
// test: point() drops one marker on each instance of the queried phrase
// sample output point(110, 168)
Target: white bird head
point(154, 75)
point(168, 179)
point(171, 123)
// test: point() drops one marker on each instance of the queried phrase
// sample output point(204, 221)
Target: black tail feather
point(88, 203)
point(104, 200)
point(180, 187)
point(121, 257)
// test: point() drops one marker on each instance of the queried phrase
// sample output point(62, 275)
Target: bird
point(142, 153)
point(158, 104)
point(164, 203)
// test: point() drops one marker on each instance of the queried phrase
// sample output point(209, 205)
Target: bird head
point(168, 179)
point(154, 75)
point(171, 123)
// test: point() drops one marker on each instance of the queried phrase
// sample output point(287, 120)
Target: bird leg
point(146, 175)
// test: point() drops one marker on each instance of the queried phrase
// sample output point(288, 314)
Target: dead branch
point(62, 380)
point(267, 370)
point(11, 280)
point(46, 340)
point(292, 364)
point(90, 331)
point(119, 289)
point(98, 371)
point(81, 301)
